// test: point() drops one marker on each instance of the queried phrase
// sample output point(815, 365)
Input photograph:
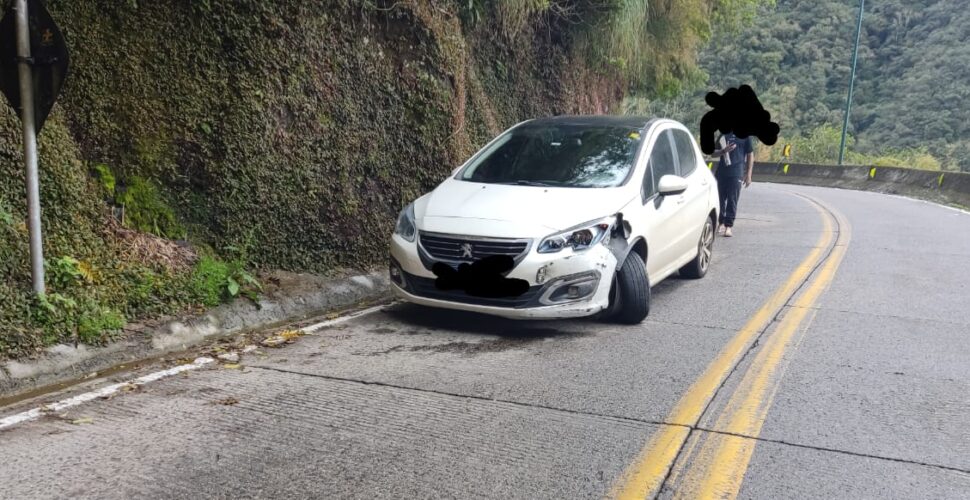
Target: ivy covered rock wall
point(287, 134)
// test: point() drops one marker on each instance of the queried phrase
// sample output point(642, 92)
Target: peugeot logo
point(466, 250)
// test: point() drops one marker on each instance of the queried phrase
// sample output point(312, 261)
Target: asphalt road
point(826, 355)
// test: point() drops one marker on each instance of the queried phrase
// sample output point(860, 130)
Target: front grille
point(453, 248)
point(425, 287)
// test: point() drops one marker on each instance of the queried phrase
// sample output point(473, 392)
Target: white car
point(561, 217)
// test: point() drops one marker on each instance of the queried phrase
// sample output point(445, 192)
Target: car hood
point(524, 209)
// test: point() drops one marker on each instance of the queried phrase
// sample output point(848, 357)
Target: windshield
point(558, 155)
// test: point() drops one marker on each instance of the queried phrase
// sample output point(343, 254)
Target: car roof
point(638, 122)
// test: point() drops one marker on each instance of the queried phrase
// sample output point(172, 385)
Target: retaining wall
point(951, 188)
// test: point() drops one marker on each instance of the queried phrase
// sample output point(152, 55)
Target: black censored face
point(738, 110)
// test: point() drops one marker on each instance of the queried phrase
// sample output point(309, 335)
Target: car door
point(659, 212)
point(695, 199)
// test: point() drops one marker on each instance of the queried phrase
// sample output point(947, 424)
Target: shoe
point(720, 229)
point(727, 232)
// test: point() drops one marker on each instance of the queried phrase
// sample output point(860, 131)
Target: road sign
point(48, 59)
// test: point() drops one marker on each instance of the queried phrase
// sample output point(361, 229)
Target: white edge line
point(35, 413)
point(927, 202)
point(331, 322)
point(876, 193)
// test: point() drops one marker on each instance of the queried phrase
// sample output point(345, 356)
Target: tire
point(697, 268)
point(632, 299)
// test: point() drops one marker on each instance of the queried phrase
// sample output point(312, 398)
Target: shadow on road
point(482, 324)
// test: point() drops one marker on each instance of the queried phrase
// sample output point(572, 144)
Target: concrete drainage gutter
point(313, 296)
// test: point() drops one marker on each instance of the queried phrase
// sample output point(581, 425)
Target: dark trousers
point(729, 190)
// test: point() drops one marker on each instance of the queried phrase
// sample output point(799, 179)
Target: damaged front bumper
point(565, 284)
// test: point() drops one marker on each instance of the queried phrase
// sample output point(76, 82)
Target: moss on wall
point(298, 129)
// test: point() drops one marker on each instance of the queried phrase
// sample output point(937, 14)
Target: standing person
point(734, 169)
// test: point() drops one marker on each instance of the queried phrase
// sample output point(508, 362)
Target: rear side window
point(661, 163)
point(685, 152)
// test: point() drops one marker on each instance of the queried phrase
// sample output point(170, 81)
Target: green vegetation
point(214, 281)
point(652, 46)
point(821, 146)
point(65, 272)
point(145, 210)
point(208, 281)
point(6, 218)
point(911, 81)
point(106, 178)
point(83, 321)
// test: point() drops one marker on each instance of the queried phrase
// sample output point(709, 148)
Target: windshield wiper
point(530, 183)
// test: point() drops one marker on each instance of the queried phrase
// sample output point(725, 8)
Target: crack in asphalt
point(695, 325)
point(890, 316)
point(464, 396)
point(835, 450)
point(616, 417)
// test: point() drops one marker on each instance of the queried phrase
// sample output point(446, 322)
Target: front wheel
point(630, 300)
point(697, 268)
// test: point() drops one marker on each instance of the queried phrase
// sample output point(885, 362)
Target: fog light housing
point(397, 274)
point(570, 288)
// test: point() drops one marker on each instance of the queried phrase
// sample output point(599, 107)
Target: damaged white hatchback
point(561, 217)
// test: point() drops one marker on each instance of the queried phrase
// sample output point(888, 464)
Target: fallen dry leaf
point(82, 420)
point(281, 338)
point(291, 334)
point(273, 342)
point(231, 357)
point(232, 366)
point(228, 401)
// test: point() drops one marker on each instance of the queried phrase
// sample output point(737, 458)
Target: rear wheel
point(697, 268)
point(630, 300)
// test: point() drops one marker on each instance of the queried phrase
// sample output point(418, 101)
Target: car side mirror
point(672, 185)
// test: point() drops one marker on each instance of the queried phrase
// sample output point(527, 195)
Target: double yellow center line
point(718, 469)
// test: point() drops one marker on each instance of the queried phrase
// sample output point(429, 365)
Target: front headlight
point(578, 238)
point(405, 223)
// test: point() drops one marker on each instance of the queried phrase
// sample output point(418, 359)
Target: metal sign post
point(30, 148)
point(33, 65)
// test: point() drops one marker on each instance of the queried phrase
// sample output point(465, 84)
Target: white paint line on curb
point(102, 392)
point(35, 413)
point(331, 322)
